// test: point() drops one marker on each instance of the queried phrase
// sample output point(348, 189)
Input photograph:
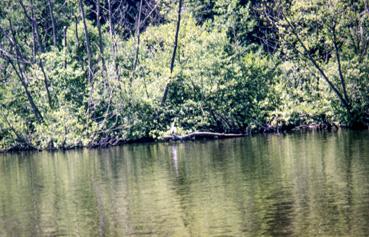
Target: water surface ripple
point(310, 184)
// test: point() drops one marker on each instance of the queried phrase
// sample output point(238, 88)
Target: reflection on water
point(294, 185)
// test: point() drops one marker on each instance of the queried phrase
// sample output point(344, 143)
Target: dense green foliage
point(95, 72)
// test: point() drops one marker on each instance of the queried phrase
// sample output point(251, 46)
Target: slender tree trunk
point(112, 36)
point(88, 51)
point(111, 30)
point(36, 30)
point(46, 83)
point(343, 101)
point(339, 67)
point(76, 30)
point(101, 45)
point(39, 47)
point(22, 79)
point(76, 36)
point(40, 62)
point(176, 36)
point(34, 44)
point(19, 70)
point(174, 51)
point(138, 35)
point(65, 46)
point(53, 25)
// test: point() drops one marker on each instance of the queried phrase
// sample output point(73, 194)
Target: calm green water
point(314, 184)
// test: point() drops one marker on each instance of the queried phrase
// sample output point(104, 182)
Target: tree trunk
point(34, 44)
point(101, 45)
point(19, 70)
point(20, 75)
point(113, 46)
point(138, 34)
point(174, 51)
point(88, 51)
point(194, 135)
point(53, 25)
point(65, 46)
point(339, 67)
point(39, 47)
point(343, 101)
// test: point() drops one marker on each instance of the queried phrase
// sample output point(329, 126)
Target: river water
point(308, 184)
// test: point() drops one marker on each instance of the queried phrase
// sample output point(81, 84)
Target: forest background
point(103, 72)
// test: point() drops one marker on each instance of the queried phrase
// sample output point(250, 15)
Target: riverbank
point(197, 135)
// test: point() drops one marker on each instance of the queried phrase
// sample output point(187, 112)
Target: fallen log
point(194, 135)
